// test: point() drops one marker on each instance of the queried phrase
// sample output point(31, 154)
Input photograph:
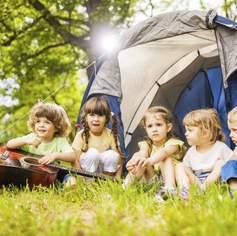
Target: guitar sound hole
point(29, 161)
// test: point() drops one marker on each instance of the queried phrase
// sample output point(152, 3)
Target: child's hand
point(132, 164)
point(47, 159)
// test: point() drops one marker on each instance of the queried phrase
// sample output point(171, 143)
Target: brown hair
point(98, 105)
point(206, 119)
point(157, 111)
point(53, 112)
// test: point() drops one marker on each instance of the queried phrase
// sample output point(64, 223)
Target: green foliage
point(106, 209)
point(43, 45)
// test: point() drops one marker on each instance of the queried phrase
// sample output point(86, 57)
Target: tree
point(43, 44)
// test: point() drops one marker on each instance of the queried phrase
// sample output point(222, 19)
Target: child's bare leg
point(233, 184)
point(168, 174)
point(182, 181)
point(232, 187)
point(133, 167)
point(181, 176)
point(132, 163)
point(134, 173)
point(149, 173)
point(129, 180)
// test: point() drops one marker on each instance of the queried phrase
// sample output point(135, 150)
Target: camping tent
point(182, 60)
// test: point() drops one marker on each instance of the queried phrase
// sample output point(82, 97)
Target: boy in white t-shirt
point(203, 161)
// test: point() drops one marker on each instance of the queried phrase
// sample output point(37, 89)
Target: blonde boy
point(229, 170)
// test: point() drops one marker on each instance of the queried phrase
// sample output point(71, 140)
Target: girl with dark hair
point(97, 147)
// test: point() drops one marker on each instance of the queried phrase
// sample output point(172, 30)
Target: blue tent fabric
point(114, 103)
point(225, 22)
point(219, 103)
point(192, 99)
point(212, 96)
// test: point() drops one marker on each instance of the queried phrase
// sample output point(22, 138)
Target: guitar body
point(12, 171)
point(19, 169)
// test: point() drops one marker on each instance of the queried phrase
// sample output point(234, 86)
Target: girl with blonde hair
point(159, 151)
point(203, 161)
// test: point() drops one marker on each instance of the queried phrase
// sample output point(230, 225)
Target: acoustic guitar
point(20, 168)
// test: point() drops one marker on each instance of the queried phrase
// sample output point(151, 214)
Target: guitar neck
point(80, 172)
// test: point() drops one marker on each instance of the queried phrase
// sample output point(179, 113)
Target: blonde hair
point(232, 115)
point(157, 111)
point(54, 113)
point(206, 119)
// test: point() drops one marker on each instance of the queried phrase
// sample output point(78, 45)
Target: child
point(229, 170)
point(160, 150)
point(207, 154)
point(97, 147)
point(50, 126)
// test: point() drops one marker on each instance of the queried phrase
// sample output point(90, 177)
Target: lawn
point(104, 208)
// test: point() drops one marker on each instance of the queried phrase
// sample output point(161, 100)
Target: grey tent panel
point(159, 50)
point(155, 28)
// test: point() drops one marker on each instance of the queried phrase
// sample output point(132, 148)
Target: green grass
point(106, 209)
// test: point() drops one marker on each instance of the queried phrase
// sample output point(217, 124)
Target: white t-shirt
point(206, 161)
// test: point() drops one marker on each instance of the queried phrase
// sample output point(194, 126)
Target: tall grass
point(104, 208)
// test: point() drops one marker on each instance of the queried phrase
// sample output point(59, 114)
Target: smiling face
point(96, 123)
point(157, 128)
point(44, 129)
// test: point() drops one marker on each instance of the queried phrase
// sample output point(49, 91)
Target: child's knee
point(92, 155)
point(110, 156)
point(110, 161)
point(90, 160)
point(92, 152)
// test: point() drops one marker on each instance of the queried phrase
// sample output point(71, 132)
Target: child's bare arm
point(192, 178)
point(214, 175)
point(21, 141)
point(62, 156)
point(161, 155)
point(133, 162)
